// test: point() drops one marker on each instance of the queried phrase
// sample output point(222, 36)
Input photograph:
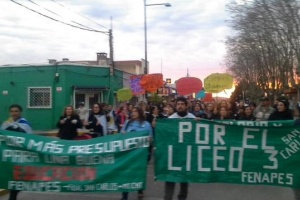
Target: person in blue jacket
point(137, 122)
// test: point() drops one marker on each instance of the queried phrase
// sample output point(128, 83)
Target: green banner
point(37, 163)
point(258, 123)
point(228, 152)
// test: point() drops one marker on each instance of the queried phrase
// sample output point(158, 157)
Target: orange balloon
point(151, 82)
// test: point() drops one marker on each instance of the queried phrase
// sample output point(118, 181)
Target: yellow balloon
point(218, 82)
point(124, 94)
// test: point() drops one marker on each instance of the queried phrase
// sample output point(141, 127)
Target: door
point(88, 98)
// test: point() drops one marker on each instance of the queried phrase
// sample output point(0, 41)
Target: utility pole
point(146, 70)
point(111, 53)
point(111, 61)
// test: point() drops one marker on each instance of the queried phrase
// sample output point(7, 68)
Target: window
point(39, 97)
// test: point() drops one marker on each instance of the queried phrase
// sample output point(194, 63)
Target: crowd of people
point(111, 120)
point(104, 119)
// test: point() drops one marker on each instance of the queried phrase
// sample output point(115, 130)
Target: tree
point(263, 54)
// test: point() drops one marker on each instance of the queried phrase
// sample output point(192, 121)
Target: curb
point(3, 192)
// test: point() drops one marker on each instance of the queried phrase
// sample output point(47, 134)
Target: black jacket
point(68, 130)
point(286, 115)
point(97, 130)
point(247, 118)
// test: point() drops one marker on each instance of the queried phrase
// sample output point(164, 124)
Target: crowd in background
point(104, 119)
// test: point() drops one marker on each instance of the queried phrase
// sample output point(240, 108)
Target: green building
point(44, 90)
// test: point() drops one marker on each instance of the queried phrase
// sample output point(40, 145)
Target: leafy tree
point(263, 53)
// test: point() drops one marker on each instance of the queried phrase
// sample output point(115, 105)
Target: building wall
point(129, 69)
point(16, 80)
point(135, 67)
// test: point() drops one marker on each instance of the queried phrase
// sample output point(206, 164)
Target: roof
point(84, 63)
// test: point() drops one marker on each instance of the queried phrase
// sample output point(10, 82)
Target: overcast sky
point(188, 35)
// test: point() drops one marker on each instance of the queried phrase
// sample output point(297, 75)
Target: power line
point(44, 8)
point(61, 16)
point(86, 29)
point(79, 14)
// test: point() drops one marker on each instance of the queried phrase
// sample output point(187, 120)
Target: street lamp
point(145, 29)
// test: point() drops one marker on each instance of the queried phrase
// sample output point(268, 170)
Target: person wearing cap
point(82, 112)
point(282, 112)
point(264, 110)
point(182, 112)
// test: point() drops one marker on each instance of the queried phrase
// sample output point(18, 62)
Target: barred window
point(39, 97)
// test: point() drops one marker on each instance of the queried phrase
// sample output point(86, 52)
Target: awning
point(93, 89)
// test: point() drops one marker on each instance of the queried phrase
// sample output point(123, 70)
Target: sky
point(187, 37)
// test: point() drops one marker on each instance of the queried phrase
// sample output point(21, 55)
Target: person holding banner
point(137, 122)
point(182, 112)
point(68, 124)
point(282, 112)
point(18, 124)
